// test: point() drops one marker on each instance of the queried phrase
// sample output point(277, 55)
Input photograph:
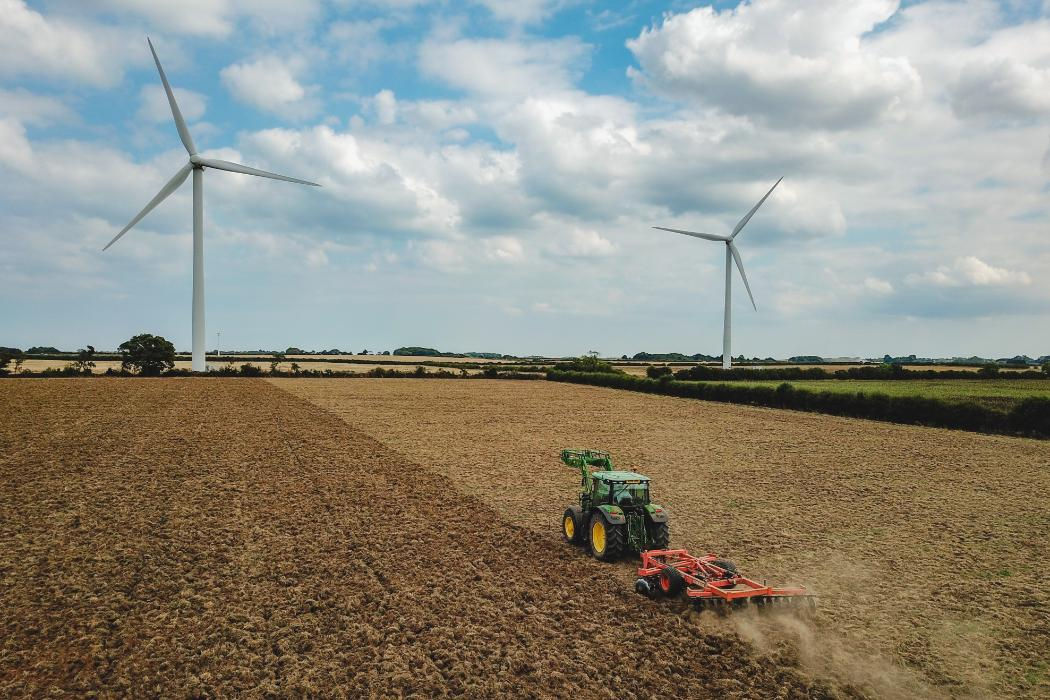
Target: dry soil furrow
point(174, 537)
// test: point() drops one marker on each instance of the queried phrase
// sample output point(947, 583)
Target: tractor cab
point(622, 489)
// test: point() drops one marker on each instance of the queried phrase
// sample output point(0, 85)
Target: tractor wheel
point(607, 540)
point(572, 526)
point(659, 535)
point(670, 581)
point(730, 567)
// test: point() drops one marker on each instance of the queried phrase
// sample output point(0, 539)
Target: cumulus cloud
point(877, 286)
point(971, 271)
point(1001, 88)
point(385, 105)
point(503, 249)
point(582, 243)
point(271, 84)
point(522, 11)
point(31, 108)
point(787, 63)
point(903, 142)
point(57, 48)
point(503, 66)
point(208, 18)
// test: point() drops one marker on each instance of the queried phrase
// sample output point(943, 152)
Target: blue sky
point(491, 171)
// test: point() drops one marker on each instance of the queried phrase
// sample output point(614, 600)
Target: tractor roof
point(620, 476)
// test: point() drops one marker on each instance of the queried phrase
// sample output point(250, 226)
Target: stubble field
point(398, 537)
point(928, 546)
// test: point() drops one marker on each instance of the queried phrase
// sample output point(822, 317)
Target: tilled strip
point(187, 536)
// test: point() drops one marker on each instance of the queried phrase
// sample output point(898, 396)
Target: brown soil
point(179, 537)
point(928, 546)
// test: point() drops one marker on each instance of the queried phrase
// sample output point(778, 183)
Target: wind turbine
point(196, 164)
point(732, 255)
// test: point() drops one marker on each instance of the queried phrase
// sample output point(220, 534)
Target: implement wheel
point(670, 581)
point(730, 567)
point(572, 525)
point(607, 541)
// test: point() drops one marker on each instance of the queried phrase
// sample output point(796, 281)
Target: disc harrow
point(711, 583)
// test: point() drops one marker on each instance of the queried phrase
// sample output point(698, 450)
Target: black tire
point(612, 537)
point(574, 515)
point(670, 581)
point(730, 567)
point(659, 535)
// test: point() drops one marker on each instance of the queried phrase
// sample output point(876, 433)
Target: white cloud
point(584, 243)
point(271, 84)
point(503, 66)
point(877, 286)
point(154, 107)
point(522, 11)
point(788, 63)
point(503, 249)
point(971, 271)
point(385, 105)
point(1001, 87)
point(15, 151)
point(30, 108)
point(209, 18)
point(57, 48)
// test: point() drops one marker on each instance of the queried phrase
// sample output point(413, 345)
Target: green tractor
point(614, 514)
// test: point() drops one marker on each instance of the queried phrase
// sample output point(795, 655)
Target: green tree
point(589, 363)
point(147, 354)
point(6, 356)
point(278, 358)
point(1046, 368)
point(85, 361)
point(989, 370)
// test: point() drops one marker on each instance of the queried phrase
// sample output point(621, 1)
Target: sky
point(491, 172)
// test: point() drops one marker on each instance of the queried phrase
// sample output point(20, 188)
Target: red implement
point(708, 581)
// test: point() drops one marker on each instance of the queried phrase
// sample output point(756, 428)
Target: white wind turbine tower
point(732, 255)
point(197, 164)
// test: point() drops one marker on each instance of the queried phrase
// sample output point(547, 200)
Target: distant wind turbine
point(197, 164)
point(731, 255)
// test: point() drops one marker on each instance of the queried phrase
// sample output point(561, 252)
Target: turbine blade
point(238, 168)
point(694, 234)
point(743, 222)
point(173, 184)
point(180, 123)
point(740, 266)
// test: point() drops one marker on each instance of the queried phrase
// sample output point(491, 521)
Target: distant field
point(358, 368)
point(639, 369)
point(997, 393)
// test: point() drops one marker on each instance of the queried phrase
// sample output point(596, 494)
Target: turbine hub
point(195, 159)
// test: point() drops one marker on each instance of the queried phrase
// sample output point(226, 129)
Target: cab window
point(601, 491)
point(634, 494)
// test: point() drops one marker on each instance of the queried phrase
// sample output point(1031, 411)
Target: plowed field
point(180, 537)
point(929, 547)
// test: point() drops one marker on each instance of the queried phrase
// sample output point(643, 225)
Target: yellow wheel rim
point(598, 536)
point(570, 527)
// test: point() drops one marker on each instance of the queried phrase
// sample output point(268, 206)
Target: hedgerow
point(1029, 417)
point(895, 371)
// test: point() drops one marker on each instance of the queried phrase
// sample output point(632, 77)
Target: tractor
point(614, 514)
